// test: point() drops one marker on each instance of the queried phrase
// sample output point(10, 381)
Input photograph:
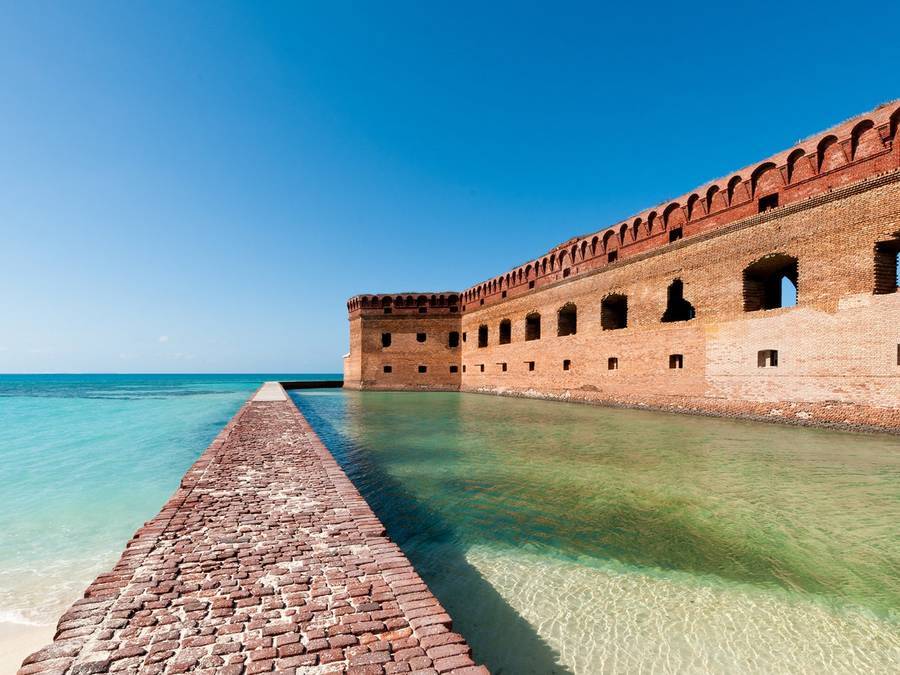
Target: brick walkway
point(265, 559)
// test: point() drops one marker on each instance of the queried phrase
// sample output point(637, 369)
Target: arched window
point(793, 164)
point(482, 336)
point(710, 198)
point(733, 192)
point(614, 312)
point(677, 308)
point(829, 154)
point(567, 320)
point(692, 206)
point(505, 332)
point(770, 283)
point(533, 326)
point(865, 140)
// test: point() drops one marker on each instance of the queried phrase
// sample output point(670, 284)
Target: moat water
point(568, 538)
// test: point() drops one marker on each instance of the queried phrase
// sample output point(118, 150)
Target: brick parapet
point(266, 558)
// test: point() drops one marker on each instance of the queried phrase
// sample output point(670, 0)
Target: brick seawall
point(265, 559)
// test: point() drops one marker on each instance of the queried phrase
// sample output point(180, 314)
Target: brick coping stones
point(265, 559)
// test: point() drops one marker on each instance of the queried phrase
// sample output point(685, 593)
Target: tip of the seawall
point(270, 391)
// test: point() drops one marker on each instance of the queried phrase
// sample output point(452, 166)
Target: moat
point(566, 538)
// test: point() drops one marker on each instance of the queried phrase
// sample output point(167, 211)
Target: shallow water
point(568, 538)
point(85, 460)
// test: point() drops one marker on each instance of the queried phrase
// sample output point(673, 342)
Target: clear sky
point(200, 186)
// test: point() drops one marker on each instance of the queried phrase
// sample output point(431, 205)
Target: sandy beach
point(18, 640)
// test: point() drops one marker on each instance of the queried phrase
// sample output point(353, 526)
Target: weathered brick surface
point(266, 559)
point(838, 349)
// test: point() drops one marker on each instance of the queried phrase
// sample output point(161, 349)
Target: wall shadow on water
point(500, 638)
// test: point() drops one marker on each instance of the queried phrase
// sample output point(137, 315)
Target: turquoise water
point(568, 538)
point(84, 461)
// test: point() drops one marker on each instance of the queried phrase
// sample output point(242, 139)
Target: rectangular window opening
point(675, 234)
point(530, 285)
point(768, 202)
point(503, 294)
point(767, 358)
point(420, 337)
point(454, 369)
point(505, 332)
point(464, 368)
point(566, 273)
point(481, 367)
point(423, 369)
point(388, 369)
point(385, 339)
point(676, 361)
point(388, 310)
point(531, 364)
point(612, 256)
point(567, 364)
point(612, 363)
point(453, 339)
point(502, 367)
point(454, 310)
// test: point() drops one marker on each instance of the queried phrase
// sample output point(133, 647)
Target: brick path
point(265, 559)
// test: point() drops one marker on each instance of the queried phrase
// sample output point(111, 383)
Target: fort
point(770, 294)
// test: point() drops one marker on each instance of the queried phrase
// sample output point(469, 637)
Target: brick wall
point(837, 350)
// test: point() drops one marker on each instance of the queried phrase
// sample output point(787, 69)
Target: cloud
point(163, 338)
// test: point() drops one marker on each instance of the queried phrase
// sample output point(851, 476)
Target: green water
point(568, 538)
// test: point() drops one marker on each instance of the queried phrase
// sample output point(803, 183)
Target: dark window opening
point(385, 339)
point(530, 284)
point(423, 369)
point(423, 310)
point(502, 367)
point(612, 256)
point(482, 336)
point(567, 320)
point(531, 364)
point(464, 337)
point(533, 326)
point(770, 283)
point(387, 310)
point(388, 369)
point(677, 308)
point(676, 361)
point(464, 368)
point(481, 302)
point(505, 332)
point(481, 367)
point(503, 294)
point(454, 369)
point(453, 310)
point(898, 355)
point(887, 266)
point(614, 312)
point(566, 273)
point(675, 234)
point(767, 358)
point(768, 202)
point(420, 337)
point(453, 339)
point(567, 364)
point(612, 363)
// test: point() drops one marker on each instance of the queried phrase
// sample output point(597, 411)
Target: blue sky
point(200, 186)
